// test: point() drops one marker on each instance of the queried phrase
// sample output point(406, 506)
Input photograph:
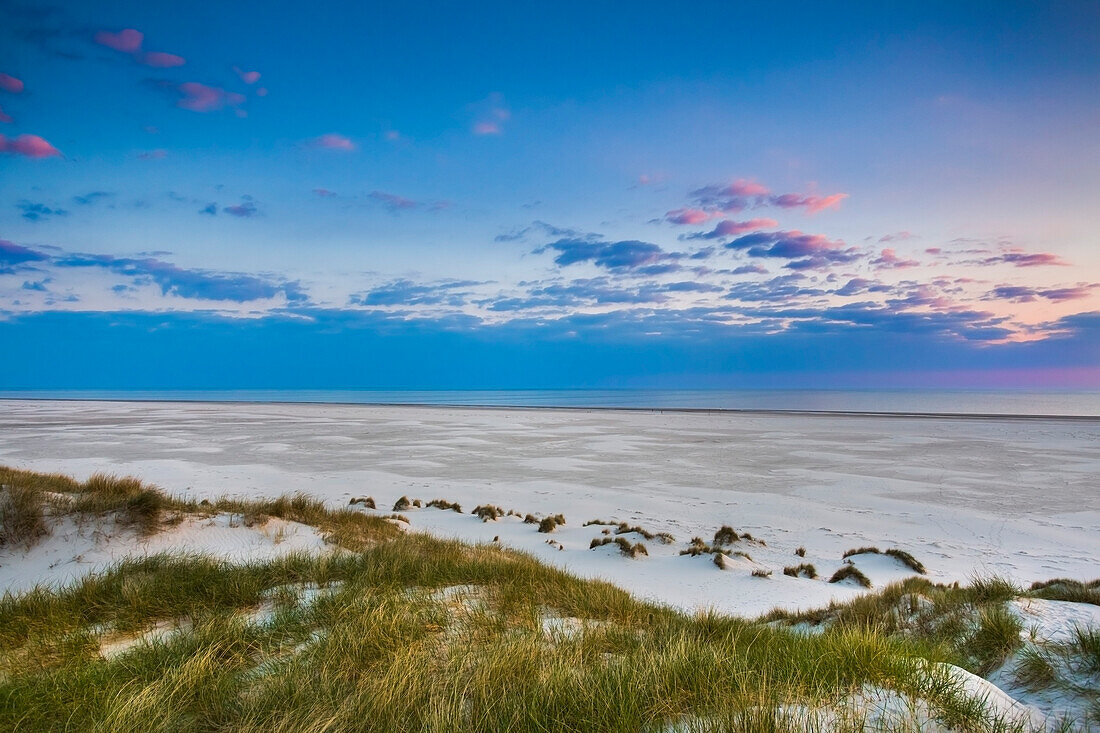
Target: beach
point(966, 496)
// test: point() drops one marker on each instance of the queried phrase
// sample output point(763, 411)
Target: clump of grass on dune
point(444, 504)
point(1064, 589)
point(625, 547)
point(997, 636)
point(549, 524)
point(21, 515)
point(801, 570)
point(488, 512)
point(850, 572)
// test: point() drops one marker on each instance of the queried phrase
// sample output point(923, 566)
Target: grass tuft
point(549, 524)
point(802, 570)
point(366, 501)
point(862, 551)
point(488, 512)
point(906, 559)
point(444, 504)
point(853, 573)
point(726, 536)
point(625, 547)
point(997, 636)
point(21, 514)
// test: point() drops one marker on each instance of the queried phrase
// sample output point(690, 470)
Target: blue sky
point(440, 196)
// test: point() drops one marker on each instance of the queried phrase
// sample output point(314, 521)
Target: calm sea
point(966, 402)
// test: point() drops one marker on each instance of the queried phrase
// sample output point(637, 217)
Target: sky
point(211, 195)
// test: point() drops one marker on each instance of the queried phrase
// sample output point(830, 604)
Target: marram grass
point(412, 633)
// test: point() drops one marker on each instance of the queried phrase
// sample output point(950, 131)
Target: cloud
point(36, 211)
point(730, 228)
point(12, 254)
point(806, 251)
point(392, 201)
point(92, 197)
point(188, 283)
point(210, 209)
point(490, 116)
point(202, 98)
point(244, 210)
point(248, 77)
point(1027, 294)
point(324, 192)
point(156, 154)
point(812, 204)
point(689, 217)
point(889, 260)
point(333, 141)
point(31, 146)
point(10, 84)
point(160, 60)
point(1023, 259)
point(126, 40)
point(406, 292)
point(732, 198)
point(623, 255)
point(4, 116)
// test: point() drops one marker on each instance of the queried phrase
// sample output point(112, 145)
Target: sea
point(1083, 404)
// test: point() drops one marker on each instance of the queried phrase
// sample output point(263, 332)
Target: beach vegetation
point(366, 501)
point(803, 570)
point(725, 535)
point(550, 523)
point(850, 572)
point(445, 505)
point(488, 512)
point(625, 546)
point(405, 631)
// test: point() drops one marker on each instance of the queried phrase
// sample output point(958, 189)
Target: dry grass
point(851, 572)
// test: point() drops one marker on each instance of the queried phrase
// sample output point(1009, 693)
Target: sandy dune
point(1012, 496)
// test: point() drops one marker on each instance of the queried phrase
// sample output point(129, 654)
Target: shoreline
point(588, 408)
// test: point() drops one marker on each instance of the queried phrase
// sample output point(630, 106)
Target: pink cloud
point(127, 40)
point(248, 77)
point(1030, 259)
point(492, 116)
point(392, 135)
point(261, 92)
point(31, 146)
point(202, 98)
point(324, 192)
point(744, 187)
point(4, 117)
point(153, 154)
point(688, 217)
point(159, 60)
point(813, 204)
point(333, 141)
point(729, 228)
point(487, 128)
point(889, 260)
point(10, 84)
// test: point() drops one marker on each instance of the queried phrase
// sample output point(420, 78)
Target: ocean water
point(939, 402)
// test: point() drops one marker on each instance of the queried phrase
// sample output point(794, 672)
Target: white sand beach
point(965, 496)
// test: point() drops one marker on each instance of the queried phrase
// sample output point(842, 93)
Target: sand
point(1017, 497)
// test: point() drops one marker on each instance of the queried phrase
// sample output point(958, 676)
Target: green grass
point(383, 650)
point(1064, 589)
point(997, 636)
